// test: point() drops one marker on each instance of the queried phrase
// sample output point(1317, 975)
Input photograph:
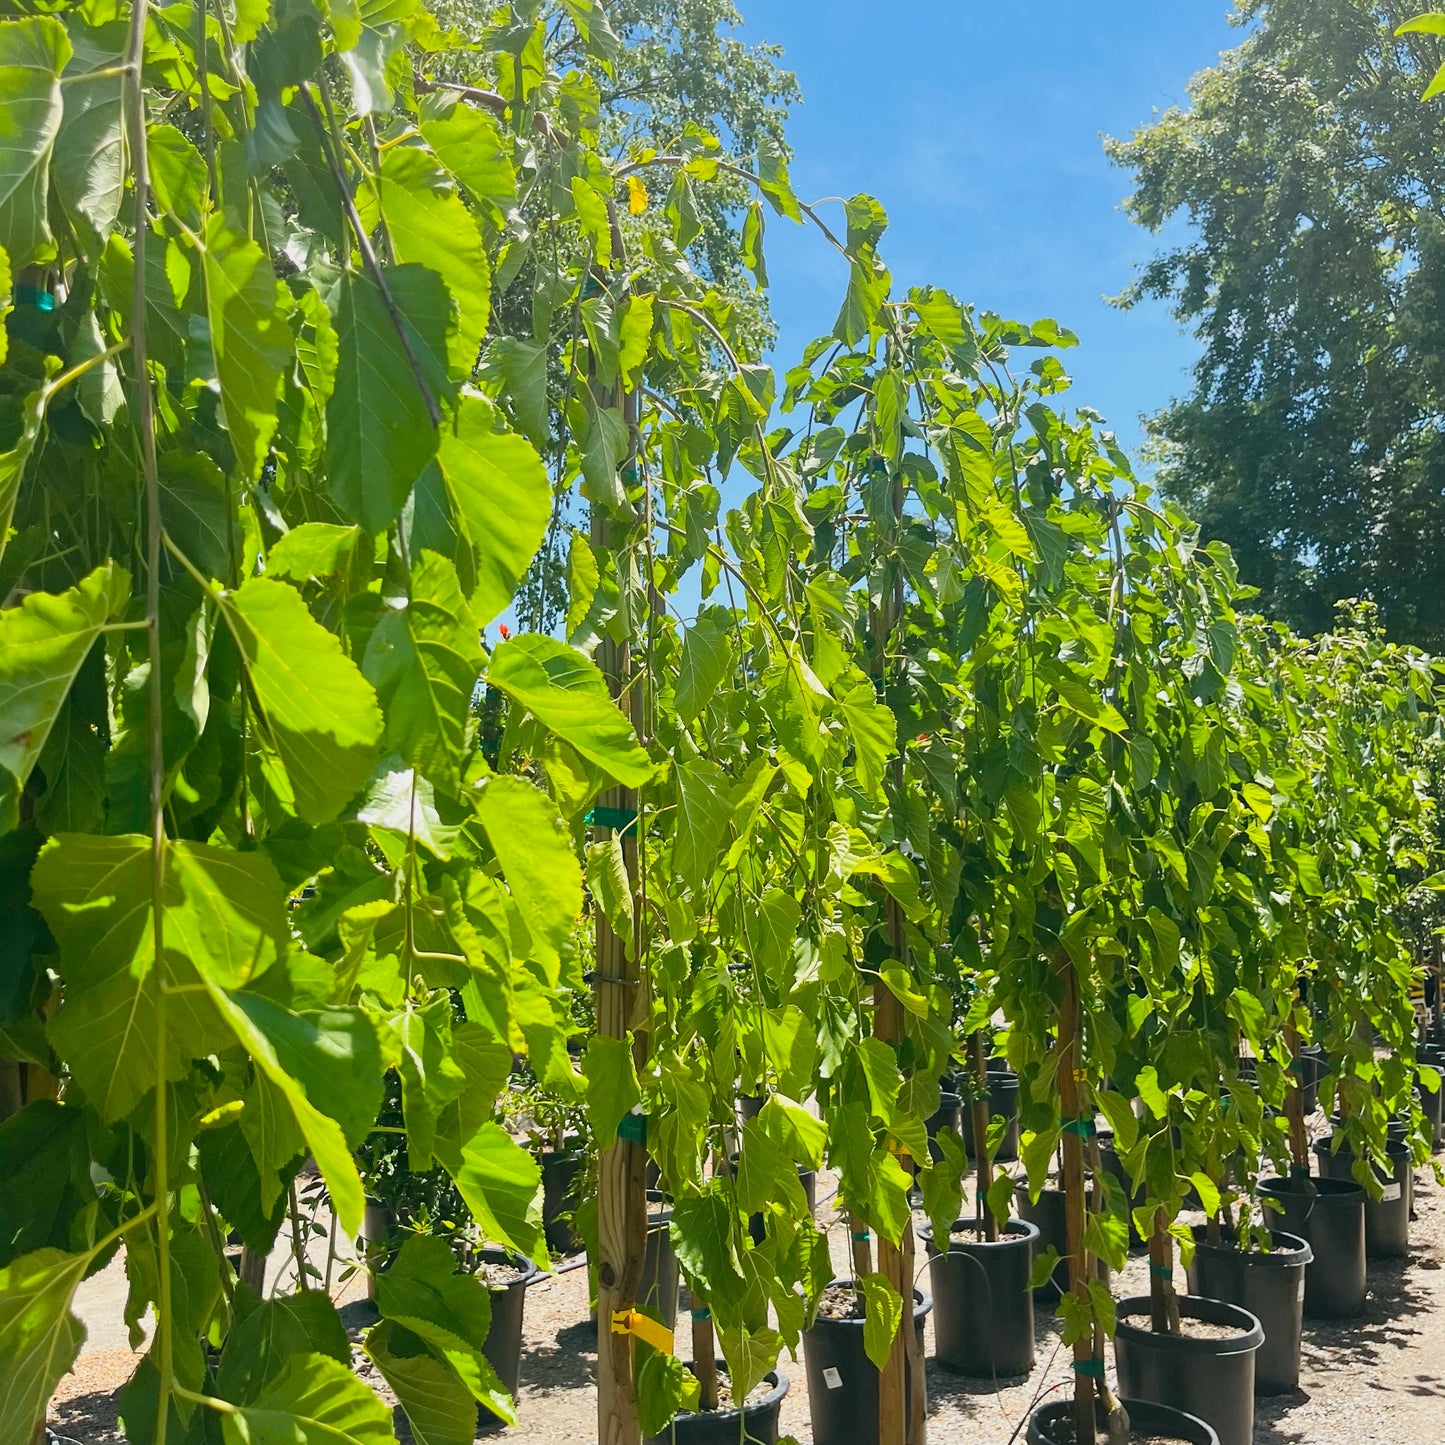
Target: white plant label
point(832, 1378)
point(1301, 1289)
point(1392, 1193)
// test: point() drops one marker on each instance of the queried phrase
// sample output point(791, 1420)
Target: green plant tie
point(34, 296)
point(1094, 1369)
point(861, 1236)
point(699, 1315)
point(618, 819)
point(633, 1128)
point(1084, 1128)
point(1160, 1271)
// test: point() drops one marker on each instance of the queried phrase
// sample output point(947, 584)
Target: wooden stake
point(1163, 1303)
point(981, 1160)
point(704, 1354)
point(1294, 1103)
point(1070, 1075)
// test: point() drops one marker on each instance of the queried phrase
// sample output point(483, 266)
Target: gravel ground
point(1378, 1378)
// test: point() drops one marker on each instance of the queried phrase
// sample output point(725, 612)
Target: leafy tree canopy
point(1314, 180)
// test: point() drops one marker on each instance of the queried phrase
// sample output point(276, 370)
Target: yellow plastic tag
point(647, 1329)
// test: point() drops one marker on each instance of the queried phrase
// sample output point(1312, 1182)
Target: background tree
point(1311, 439)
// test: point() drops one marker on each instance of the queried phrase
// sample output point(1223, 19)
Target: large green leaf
point(475, 149)
point(316, 709)
point(707, 659)
point(537, 858)
point(424, 658)
point(429, 224)
point(883, 1313)
point(33, 52)
point(13, 462)
point(379, 436)
point(565, 690)
point(247, 309)
point(223, 914)
point(612, 1088)
point(440, 1409)
point(279, 1044)
point(43, 643)
point(39, 1337)
point(703, 810)
point(501, 1184)
point(501, 497)
point(451, 1312)
point(703, 1228)
point(315, 1400)
point(88, 169)
point(267, 1332)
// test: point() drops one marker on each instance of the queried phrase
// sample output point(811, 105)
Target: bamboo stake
point(1069, 1075)
point(981, 1160)
point(704, 1355)
point(1294, 1104)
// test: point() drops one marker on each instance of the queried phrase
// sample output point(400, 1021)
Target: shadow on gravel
point(87, 1419)
point(572, 1365)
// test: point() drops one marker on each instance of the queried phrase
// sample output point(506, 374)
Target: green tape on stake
point(34, 296)
point(861, 1236)
point(699, 1316)
point(633, 1128)
point(1084, 1128)
point(1094, 1369)
point(1161, 1271)
point(618, 819)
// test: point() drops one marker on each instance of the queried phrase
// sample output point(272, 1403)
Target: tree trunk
point(980, 1137)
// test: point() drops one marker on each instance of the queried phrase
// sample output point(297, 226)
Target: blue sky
point(977, 126)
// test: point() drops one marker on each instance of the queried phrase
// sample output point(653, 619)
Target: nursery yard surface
point(1377, 1378)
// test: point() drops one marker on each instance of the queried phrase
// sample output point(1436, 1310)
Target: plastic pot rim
point(1019, 1231)
point(1208, 1311)
point(775, 1396)
point(1288, 1250)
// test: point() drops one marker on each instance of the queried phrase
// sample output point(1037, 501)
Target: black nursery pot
point(843, 1381)
point(1146, 1421)
point(560, 1169)
point(1434, 1103)
point(1271, 1286)
point(503, 1345)
point(983, 1321)
point(1329, 1215)
point(756, 1422)
point(1114, 1166)
point(1213, 1379)
point(1387, 1219)
point(1003, 1098)
point(657, 1293)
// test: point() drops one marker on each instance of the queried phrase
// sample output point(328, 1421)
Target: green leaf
point(33, 52)
point(248, 310)
point(452, 1312)
point(501, 1184)
point(609, 885)
point(703, 1226)
point(223, 915)
point(267, 1332)
point(665, 1388)
point(474, 148)
point(1146, 1081)
point(316, 710)
point(750, 1356)
point(593, 219)
point(13, 462)
point(502, 498)
point(405, 804)
point(314, 550)
point(707, 660)
point(612, 1089)
point(703, 811)
point(874, 733)
point(565, 691)
point(880, 1070)
point(43, 643)
point(1081, 698)
point(177, 174)
point(882, 1315)
point(1208, 1192)
point(429, 224)
point(282, 1045)
point(39, 1337)
point(536, 856)
point(379, 436)
point(424, 658)
point(801, 1133)
point(431, 1077)
point(774, 180)
point(439, 1408)
point(315, 1400)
